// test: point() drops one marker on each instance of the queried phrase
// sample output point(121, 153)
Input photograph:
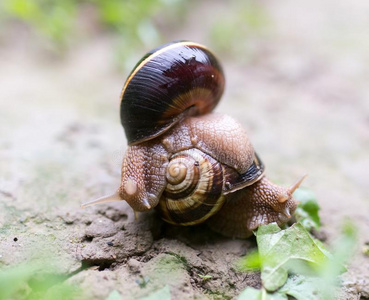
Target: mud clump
point(146, 254)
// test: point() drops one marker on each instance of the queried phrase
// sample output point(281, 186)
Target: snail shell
point(194, 189)
point(168, 84)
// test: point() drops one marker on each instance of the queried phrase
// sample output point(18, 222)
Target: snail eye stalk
point(295, 186)
point(104, 199)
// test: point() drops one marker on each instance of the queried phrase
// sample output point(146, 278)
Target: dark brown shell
point(169, 83)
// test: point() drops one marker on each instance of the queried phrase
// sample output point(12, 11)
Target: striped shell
point(169, 83)
point(194, 190)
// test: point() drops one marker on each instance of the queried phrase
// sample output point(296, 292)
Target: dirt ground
point(301, 92)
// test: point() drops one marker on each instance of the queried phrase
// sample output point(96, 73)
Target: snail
point(189, 163)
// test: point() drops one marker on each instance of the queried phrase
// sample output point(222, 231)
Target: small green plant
point(295, 264)
point(307, 213)
point(132, 23)
point(205, 277)
point(51, 18)
point(31, 282)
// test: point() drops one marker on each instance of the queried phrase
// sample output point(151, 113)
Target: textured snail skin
point(247, 209)
point(219, 136)
point(143, 175)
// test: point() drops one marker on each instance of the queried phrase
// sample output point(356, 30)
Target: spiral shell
point(169, 83)
point(194, 188)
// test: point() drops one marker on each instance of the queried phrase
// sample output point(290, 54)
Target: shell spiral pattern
point(194, 189)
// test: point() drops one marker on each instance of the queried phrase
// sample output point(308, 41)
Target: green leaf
point(325, 282)
point(302, 288)
point(274, 277)
point(14, 280)
point(307, 212)
point(250, 294)
point(254, 294)
point(251, 262)
point(31, 281)
point(162, 294)
point(282, 250)
point(294, 250)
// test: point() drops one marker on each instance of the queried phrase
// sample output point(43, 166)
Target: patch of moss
point(181, 259)
point(217, 295)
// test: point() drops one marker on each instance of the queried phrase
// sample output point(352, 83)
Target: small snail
point(193, 165)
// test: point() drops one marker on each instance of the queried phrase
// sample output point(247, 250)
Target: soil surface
point(301, 90)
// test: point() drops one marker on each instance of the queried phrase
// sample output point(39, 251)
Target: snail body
point(193, 165)
point(186, 148)
point(259, 204)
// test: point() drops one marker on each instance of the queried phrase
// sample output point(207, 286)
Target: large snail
point(194, 166)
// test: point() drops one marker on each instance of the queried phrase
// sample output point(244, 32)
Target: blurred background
point(297, 78)
point(131, 27)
